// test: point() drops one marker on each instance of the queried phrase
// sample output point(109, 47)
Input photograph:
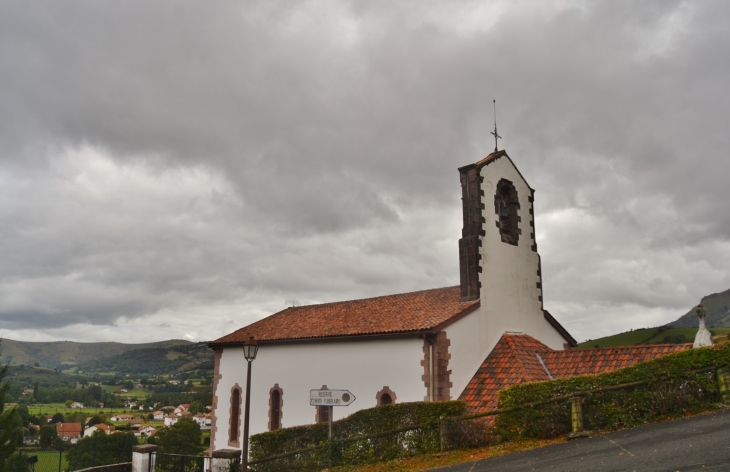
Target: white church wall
point(362, 366)
point(467, 351)
point(510, 298)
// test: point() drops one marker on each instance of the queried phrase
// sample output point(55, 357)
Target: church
point(461, 342)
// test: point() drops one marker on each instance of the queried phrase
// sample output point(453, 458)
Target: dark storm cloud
point(168, 156)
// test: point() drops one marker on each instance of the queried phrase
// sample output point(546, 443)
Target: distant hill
point(683, 330)
point(717, 307)
point(67, 353)
point(155, 360)
point(660, 335)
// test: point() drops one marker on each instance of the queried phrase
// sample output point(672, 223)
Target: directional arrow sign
point(330, 397)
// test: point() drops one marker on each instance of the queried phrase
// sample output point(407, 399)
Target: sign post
point(331, 399)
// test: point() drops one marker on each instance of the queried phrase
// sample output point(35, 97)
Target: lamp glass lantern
point(250, 349)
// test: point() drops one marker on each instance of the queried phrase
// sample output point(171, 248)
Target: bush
point(101, 449)
point(362, 423)
point(670, 391)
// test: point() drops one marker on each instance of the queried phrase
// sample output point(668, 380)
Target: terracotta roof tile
point(594, 361)
point(513, 360)
point(68, 429)
point(402, 313)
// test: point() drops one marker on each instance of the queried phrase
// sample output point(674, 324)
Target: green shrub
point(362, 423)
point(671, 391)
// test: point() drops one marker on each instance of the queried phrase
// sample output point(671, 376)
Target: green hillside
point(660, 335)
point(154, 361)
point(67, 353)
point(717, 307)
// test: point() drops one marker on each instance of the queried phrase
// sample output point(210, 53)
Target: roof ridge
point(374, 298)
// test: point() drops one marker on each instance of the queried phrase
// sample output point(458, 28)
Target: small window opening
point(385, 396)
point(275, 410)
point(506, 206)
point(235, 415)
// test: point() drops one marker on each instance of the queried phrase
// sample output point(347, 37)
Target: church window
point(275, 407)
point(506, 205)
point(385, 396)
point(234, 422)
point(322, 414)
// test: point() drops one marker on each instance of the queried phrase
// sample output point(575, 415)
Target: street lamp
point(250, 348)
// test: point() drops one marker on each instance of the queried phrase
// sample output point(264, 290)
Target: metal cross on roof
point(494, 133)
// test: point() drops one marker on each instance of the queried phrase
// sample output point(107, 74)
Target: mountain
point(67, 353)
point(154, 360)
point(717, 307)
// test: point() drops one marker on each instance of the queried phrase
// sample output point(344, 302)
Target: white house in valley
point(418, 346)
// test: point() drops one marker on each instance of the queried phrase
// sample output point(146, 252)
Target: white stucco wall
point(362, 366)
point(509, 294)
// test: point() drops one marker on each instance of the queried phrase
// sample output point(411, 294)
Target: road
point(701, 442)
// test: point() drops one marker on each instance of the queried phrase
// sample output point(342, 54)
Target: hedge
point(362, 423)
point(672, 390)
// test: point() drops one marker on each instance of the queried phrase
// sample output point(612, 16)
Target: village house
point(107, 429)
point(182, 408)
point(204, 420)
point(69, 431)
point(158, 415)
point(460, 342)
point(122, 417)
point(145, 430)
point(77, 405)
point(171, 420)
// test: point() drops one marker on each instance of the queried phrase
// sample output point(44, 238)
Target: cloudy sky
point(181, 169)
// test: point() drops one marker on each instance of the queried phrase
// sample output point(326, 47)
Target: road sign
point(330, 397)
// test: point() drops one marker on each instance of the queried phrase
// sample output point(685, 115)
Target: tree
point(100, 449)
point(96, 419)
point(68, 403)
point(96, 392)
point(184, 437)
point(57, 418)
point(10, 422)
point(48, 436)
point(197, 407)
point(35, 390)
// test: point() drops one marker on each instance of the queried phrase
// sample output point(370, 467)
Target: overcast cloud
point(181, 169)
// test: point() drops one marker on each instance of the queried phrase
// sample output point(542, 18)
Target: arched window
point(506, 205)
point(276, 395)
point(234, 419)
point(322, 414)
point(385, 396)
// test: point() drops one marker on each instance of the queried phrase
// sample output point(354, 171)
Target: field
point(47, 460)
point(651, 336)
point(53, 408)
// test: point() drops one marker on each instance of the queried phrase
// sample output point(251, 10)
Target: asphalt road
point(698, 443)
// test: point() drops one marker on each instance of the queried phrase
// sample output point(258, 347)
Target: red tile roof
point(512, 361)
point(402, 313)
point(594, 361)
point(69, 430)
point(516, 359)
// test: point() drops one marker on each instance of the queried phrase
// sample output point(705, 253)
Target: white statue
point(704, 337)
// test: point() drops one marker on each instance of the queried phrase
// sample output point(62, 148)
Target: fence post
point(222, 459)
point(142, 458)
point(442, 433)
point(576, 415)
point(722, 383)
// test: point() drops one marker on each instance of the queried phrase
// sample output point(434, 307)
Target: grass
point(425, 462)
point(47, 460)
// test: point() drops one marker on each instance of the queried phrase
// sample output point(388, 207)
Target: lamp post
point(250, 348)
